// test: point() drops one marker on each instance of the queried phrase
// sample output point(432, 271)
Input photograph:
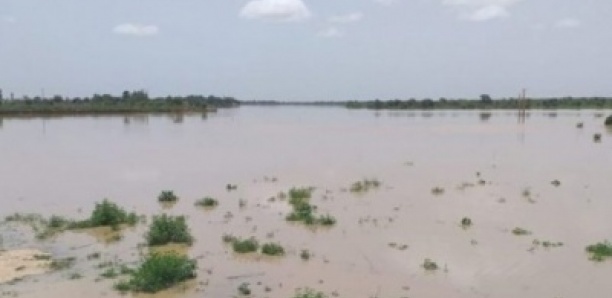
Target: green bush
point(300, 193)
point(466, 222)
point(159, 272)
point(105, 214)
point(364, 185)
point(430, 265)
point(326, 220)
point(207, 202)
point(608, 120)
point(272, 249)
point(520, 232)
point(245, 246)
point(600, 251)
point(167, 196)
point(168, 229)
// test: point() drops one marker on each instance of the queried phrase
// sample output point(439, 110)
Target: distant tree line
point(486, 102)
point(128, 102)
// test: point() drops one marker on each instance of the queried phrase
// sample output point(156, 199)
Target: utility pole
point(522, 106)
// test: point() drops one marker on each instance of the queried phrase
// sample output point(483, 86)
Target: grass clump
point(430, 265)
point(167, 196)
point(272, 249)
point(437, 191)
point(301, 193)
point(168, 229)
point(62, 264)
point(597, 137)
point(308, 293)
point(466, 222)
point(600, 251)
point(608, 121)
point(364, 185)
point(106, 214)
point(305, 255)
point(207, 202)
point(245, 245)
point(159, 272)
point(244, 290)
point(303, 211)
point(520, 231)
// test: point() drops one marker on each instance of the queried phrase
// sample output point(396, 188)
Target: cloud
point(330, 32)
point(568, 23)
point(482, 10)
point(347, 18)
point(136, 29)
point(275, 10)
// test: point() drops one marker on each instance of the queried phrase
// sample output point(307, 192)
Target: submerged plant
point(167, 196)
point(364, 185)
point(301, 193)
point(608, 121)
point(430, 265)
point(597, 137)
point(520, 231)
point(168, 229)
point(159, 272)
point(466, 222)
point(244, 290)
point(245, 246)
point(600, 251)
point(272, 249)
point(305, 255)
point(437, 190)
point(308, 293)
point(207, 202)
point(108, 214)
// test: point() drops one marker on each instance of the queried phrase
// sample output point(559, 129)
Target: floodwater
point(63, 166)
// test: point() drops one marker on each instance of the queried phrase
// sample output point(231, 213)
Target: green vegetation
point(437, 191)
point(305, 255)
point(600, 251)
point(520, 232)
point(244, 290)
point(159, 272)
point(207, 202)
point(168, 229)
point(105, 214)
point(466, 222)
point(227, 238)
point(308, 293)
point(364, 185)
point(167, 196)
point(608, 121)
point(62, 264)
point(485, 102)
point(272, 249)
point(231, 187)
point(128, 102)
point(245, 246)
point(556, 183)
point(303, 211)
point(580, 125)
point(597, 138)
point(430, 265)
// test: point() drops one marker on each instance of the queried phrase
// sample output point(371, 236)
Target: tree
point(486, 99)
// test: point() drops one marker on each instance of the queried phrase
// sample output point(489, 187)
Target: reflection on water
point(77, 161)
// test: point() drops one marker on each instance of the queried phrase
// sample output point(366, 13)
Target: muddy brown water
point(64, 165)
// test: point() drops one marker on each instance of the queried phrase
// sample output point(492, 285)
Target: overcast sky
point(307, 49)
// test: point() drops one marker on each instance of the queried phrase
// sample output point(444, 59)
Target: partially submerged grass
point(608, 121)
point(62, 264)
point(597, 138)
point(167, 196)
point(303, 211)
point(301, 193)
point(207, 202)
point(305, 255)
point(520, 231)
point(364, 185)
point(159, 272)
point(105, 214)
point(245, 245)
point(272, 249)
point(600, 251)
point(167, 229)
point(244, 290)
point(430, 265)
point(309, 293)
point(437, 191)
point(466, 222)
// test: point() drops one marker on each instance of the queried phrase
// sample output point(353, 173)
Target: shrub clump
point(302, 193)
point(159, 272)
point(608, 121)
point(105, 214)
point(520, 231)
point(272, 249)
point(466, 222)
point(600, 251)
point(167, 196)
point(245, 246)
point(168, 229)
point(430, 265)
point(303, 211)
point(207, 202)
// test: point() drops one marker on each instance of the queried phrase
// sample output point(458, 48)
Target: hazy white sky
point(307, 49)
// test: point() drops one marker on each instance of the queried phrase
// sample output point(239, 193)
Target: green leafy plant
point(207, 202)
point(308, 293)
point(168, 229)
point(520, 231)
point(105, 214)
point(364, 185)
point(167, 196)
point(245, 245)
point(600, 251)
point(466, 222)
point(272, 249)
point(430, 265)
point(159, 272)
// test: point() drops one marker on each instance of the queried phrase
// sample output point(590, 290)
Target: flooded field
point(501, 209)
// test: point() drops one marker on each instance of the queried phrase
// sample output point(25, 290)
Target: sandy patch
point(15, 264)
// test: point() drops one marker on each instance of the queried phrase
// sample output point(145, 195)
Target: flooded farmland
point(536, 194)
